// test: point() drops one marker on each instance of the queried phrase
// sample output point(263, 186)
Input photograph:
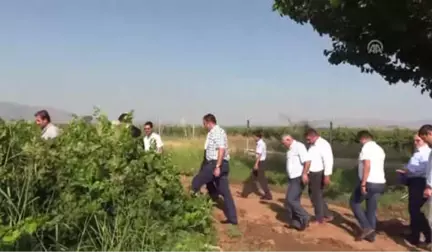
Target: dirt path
point(261, 227)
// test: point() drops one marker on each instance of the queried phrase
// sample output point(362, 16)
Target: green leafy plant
point(93, 188)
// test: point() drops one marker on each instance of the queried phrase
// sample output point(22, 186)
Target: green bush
point(93, 188)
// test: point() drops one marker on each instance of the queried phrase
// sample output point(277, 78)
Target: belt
point(214, 161)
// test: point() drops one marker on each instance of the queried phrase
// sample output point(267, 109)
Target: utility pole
point(247, 135)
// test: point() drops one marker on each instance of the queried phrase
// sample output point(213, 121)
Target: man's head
point(257, 135)
point(364, 136)
point(42, 118)
point(209, 121)
point(418, 142)
point(124, 118)
point(425, 133)
point(311, 135)
point(148, 128)
point(287, 140)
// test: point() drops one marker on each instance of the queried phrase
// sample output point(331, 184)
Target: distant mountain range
point(15, 111)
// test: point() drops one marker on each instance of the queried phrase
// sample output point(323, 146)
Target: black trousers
point(316, 194)
point(250, 185)
point(220, 184)
point(418, 221)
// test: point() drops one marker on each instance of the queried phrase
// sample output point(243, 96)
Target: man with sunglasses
point(152, 139)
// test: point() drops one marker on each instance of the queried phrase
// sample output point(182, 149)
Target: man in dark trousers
point(318, 175)
point(415, 171)
point(216, 167)
point(297, 161)
point(425, 133)
point(258, 170)
point(211, 186)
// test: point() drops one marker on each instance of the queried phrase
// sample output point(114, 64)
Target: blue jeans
point(366, 219)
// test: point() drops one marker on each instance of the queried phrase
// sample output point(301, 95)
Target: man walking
point(372, 184)
point(216, 168)
point(258, 170)
point(318, 175)
point(425, 133)
point(152, 139)
point(43, 120)
point(415, 172)
point(297, 162)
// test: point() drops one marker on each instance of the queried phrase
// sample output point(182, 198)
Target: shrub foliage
point(93, 188)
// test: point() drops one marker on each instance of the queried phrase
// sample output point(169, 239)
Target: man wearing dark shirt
point(123, 118)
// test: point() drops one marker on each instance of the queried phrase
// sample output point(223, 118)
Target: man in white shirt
point(415, 171)
point(318, 175)
point(425, 132)
point(43, 120)
point(297, 161)
point(152, 140)
point(258, 170)
point(372, 184)
point(216, 168)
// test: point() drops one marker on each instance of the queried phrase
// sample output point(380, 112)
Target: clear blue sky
point(172, 59)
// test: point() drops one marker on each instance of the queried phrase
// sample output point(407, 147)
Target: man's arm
point(327, 156)
point(366, 171)
point(220, 142)
point(429, 172)
point(365, 158)
point(414, 165)
point(304, 159)
point(159, 144)
point(259, 152)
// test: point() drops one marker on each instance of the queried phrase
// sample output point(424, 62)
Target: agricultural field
point(396, 142)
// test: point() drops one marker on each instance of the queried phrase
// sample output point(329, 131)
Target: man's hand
point(255, 167)
point(326, 180)
point(427, 192)
point(363, 189)
point(216, 171)
point(305, 179)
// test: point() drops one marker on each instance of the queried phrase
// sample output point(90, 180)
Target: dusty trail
point(262, 228)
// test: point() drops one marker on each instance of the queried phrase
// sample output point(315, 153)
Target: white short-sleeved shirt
point(321, 156)
point(149, 141)
point(296, 156)
point(50, 131)
point(261, 149)
point(216, 139)
point(375, 154)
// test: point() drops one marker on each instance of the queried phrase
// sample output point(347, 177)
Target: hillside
point(15, 111)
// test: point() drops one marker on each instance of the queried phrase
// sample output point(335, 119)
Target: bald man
point(298, 163)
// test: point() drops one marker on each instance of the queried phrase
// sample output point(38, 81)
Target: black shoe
point(228, 222)
point(267, 197)
point(412, 241)
point(303, 226)
point(365, 233)
point(371, 237)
